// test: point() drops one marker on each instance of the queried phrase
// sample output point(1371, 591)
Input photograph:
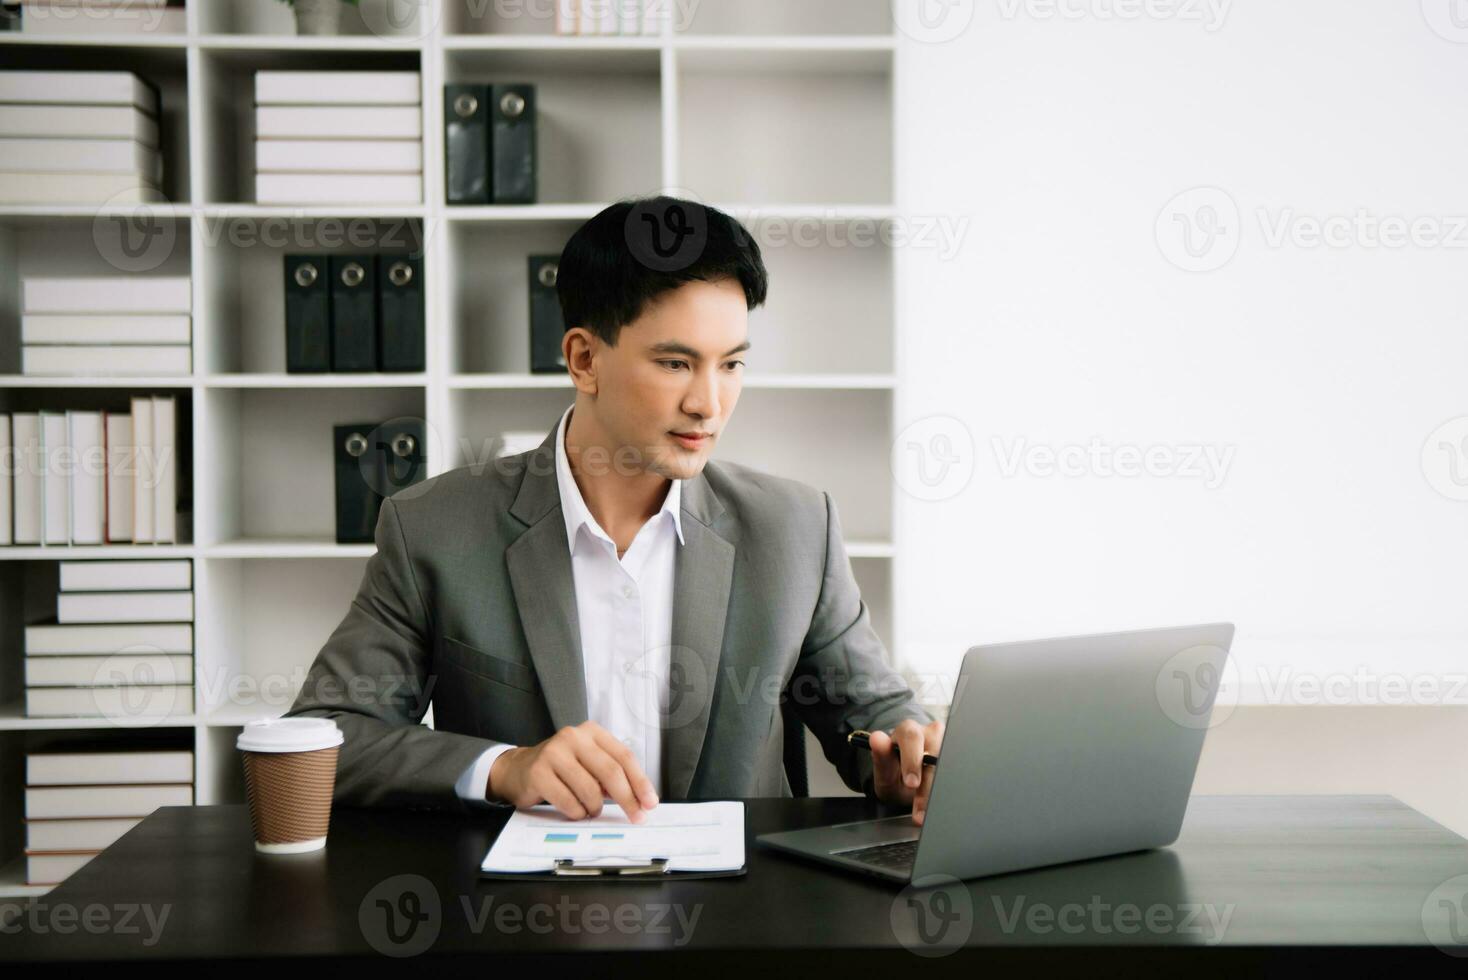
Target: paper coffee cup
point(290, 773)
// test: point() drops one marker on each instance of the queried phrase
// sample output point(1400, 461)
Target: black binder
point(400, 312)
point(307, 314)
point(353, 313)
point(512, 144)
point(373, 461)
point(547, 324)
point(466, 143)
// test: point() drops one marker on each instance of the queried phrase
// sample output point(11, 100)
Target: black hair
point(637, 249)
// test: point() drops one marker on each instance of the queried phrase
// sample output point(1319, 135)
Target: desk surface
point(1357, 879)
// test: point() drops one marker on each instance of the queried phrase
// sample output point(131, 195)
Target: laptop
point(1054, 750)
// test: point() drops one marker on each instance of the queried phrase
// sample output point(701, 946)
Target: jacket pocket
point(492, 666)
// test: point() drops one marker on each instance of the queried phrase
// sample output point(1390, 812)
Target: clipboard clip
point(569, 868)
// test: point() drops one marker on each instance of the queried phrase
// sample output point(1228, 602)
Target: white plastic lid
point(289, 735)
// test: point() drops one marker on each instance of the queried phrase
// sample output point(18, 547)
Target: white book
point(105, 328)
point(121, 458)
point(88, 476)
point(87, 834)
point(8, 467)
point(75, 156)
point(124, 607)
point(118, 20)
point(134, 702)
point(339, 122)
point(52, 802)
point(53, 869)
point(145, 465)
point(56, 451)
point(109, 767)
point(339, 156)
point(29, 482)
point(629, 16)
point(106, 359)
point(655, 15)
point(338, 189)
point(607, 11)
point(338, 88)
point(109, 671)
point(126, 576)
point(78, 88)
point(47, 188)
point(165, 492)
point(566, 16)
point(52, 639)
point(84, 121)
point(106, 294)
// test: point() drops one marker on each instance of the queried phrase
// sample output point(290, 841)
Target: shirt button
point(627, 742)
point(627, 667)
point(627, 591)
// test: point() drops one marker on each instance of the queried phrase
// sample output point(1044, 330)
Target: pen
point(863, 739)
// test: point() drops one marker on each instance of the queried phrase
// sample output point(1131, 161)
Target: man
point(613, 615)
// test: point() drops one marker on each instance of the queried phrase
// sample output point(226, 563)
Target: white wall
point(1315, 374)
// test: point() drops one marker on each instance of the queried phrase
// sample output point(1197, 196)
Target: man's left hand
point(898, 774)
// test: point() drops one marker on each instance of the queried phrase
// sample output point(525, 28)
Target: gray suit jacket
point(469, 602)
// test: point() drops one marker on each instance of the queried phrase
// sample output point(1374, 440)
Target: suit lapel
point(539, 563)
point(702, 577)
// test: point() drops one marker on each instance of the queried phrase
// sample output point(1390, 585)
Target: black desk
point(1290, 881)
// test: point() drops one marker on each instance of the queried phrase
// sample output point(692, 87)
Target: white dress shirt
point(624, 608)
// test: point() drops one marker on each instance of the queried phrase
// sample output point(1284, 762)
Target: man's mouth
point(691, 440)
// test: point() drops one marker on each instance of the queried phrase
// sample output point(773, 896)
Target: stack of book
point(338, 137)
point(112, 325)
point(78, 803)
point(91, 477)
point(121, 647)
point(612, 16)
point(90, 17)
point(78, 137)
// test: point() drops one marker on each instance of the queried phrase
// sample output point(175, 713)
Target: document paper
point(692, 836)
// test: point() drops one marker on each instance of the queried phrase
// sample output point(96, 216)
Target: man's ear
point(579, 347)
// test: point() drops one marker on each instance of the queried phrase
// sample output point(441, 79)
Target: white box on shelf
point(53, 802)
point(165, 492)
point(81, 156)
point(133, 702)
point(339, 122)
point(29, 498)
point(121, 459)
point(42, 868)
point(338, 88)
point(109, 767)
point(124, 607)
point(87, 834)
point(105, 328)
point(78, 87)
point(339, 156)
point(106, 294)
point(145, 463)
point(64, 188)
point(158, 360)
point(55, 639)
point(88, 476)
point(84, 121)
point(55, 445)
point(338, 188)
point(126, 576)
point(118, 669)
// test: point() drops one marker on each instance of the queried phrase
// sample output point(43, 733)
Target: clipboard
point(680, 841)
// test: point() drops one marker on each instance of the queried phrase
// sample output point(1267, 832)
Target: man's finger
point(608, 771)
point(910, 741)
point(559, 795)
point(920, 801)
point(582, 783)
point(884, 763)
point(647, 797)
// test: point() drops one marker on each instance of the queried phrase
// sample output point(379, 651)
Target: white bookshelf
point(780, 113)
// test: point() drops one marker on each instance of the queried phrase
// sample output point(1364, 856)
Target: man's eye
point(734, 364)
point(674, 363)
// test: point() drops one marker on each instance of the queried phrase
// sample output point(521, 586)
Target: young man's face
point(676, 370)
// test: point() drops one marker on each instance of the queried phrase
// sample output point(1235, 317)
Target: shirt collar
point(573, 506)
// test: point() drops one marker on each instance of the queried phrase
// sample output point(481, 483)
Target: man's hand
point(902, 779)
point(573, 770)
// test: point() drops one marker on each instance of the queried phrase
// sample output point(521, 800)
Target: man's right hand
point(573, 771)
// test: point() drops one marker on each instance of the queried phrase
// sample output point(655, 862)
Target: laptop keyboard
point(898, 856)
